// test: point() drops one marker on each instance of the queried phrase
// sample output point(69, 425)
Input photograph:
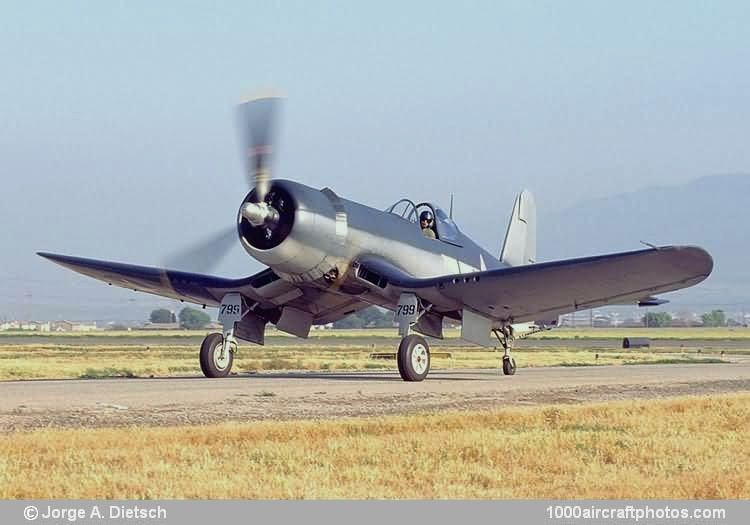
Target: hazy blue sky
point(117, 135)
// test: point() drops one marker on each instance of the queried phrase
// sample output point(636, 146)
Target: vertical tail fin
point(519, 247)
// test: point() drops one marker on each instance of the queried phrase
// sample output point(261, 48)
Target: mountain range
point(712, 212)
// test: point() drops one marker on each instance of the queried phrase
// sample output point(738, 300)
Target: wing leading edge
point(268, 290)
point(184, 286)
point(545, 290)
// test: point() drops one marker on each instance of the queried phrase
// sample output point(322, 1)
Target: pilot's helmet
point(426, 216)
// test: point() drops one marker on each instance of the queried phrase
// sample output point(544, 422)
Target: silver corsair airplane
point(329, 257)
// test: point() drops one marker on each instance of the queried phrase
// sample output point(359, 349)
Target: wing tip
point(701, 259)
point(694, 260)
point(50, 256)
point(57, 257)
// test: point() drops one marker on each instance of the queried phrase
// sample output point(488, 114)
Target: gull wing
point(264, 287)
point(543, 291)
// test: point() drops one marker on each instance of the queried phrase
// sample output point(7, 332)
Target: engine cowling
point(298, 242)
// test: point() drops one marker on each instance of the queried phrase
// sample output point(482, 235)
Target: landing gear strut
point(217, 350)
point(413, 353)
point(505, 336)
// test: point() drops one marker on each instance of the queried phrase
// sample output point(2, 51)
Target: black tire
point(413, 358)
point(209, 365)
point(509, 366)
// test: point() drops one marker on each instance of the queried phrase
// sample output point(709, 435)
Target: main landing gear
point(216, 358)
point(413, 358)
point(413, 353)
point(505, 336)
point(217, 350)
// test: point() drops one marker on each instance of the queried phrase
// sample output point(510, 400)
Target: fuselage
point(328, 233)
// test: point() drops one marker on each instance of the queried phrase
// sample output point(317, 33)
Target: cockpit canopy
point(445, 229)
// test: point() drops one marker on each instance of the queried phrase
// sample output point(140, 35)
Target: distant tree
point(657, 319)
point(714, 318)
point(376, 317)
point(162, 315)
point(193, 319)
point(350, 321)
point(372, 317)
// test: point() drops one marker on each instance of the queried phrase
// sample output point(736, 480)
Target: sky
point(118, 138)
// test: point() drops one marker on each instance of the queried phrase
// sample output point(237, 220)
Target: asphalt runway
point(278, 396)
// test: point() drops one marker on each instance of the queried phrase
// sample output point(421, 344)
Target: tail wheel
point(413, 358)
point(214, 363)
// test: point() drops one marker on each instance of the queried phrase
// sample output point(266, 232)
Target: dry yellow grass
point(686, 334)
point(58, 361)
point(169, 353)
point(680, 448)
point(703, 333)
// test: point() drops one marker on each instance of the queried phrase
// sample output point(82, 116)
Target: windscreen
point(446, 228)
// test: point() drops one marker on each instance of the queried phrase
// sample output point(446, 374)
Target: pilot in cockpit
point(426, 221)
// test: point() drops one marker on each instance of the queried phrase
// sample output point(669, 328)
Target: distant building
point(685, 319)
point(10, 325)
point(48, 326)
point(603, 321)
point(62, 326)
point(587, 319)
point(161, 326)
point(34, 326)
point(84, 327)
point(573, 320)
point(72, 326)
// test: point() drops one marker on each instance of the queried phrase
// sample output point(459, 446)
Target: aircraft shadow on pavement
point(443, 375)
point(349, 377)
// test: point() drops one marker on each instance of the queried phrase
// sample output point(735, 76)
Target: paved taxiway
point(191, 400)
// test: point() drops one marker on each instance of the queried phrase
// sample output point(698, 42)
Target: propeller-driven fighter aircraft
point(329, 257)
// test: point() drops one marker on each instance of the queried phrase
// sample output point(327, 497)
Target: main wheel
point(509, 366)
point(413, 358)
point(213, 363)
